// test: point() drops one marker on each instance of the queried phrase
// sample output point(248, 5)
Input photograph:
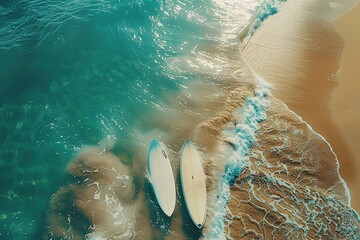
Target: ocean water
point(86, 85)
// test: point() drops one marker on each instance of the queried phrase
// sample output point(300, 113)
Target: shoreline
point(299, 54)
point(344, 102)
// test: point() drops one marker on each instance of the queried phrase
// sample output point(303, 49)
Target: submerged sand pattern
point(288, 185)
point(289, 189)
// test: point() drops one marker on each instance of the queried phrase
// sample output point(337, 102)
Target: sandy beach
point(299, 54)
point(345, 101)
point(87, 86)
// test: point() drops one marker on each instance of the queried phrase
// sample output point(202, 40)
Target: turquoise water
point(77, 73)
point(115, 74)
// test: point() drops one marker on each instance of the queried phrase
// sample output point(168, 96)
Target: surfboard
point(193, 183)
point(162, 177)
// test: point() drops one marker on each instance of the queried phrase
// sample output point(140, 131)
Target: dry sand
point(299, 54)
point(345, 102)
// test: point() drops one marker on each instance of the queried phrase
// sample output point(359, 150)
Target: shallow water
point(105, 73)
point(85, 87)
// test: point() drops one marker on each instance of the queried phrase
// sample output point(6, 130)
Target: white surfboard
point(162, 177)
point(193, 183)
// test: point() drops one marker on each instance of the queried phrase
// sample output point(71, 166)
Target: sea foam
point(242, 138)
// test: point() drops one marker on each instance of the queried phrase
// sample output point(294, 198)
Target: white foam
point(242, 138)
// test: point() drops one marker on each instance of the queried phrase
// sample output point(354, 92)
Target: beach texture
point(345, 104)
point(87, 85)
point(303, 63)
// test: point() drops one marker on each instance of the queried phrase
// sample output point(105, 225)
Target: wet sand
point(292, 180)
point(299, 54)
point(291, 188)
point(345, 102)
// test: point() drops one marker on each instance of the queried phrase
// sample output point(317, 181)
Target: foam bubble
point(251, 114)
